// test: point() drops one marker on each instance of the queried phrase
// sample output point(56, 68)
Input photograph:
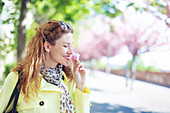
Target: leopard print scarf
point(54, 76)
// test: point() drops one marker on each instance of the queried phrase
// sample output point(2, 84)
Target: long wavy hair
point(35, 56)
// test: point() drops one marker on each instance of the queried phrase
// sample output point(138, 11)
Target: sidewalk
point(109, 95)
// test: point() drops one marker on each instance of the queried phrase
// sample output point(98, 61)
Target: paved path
point(109, 95)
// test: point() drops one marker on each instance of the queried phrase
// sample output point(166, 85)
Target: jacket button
point(41, 103)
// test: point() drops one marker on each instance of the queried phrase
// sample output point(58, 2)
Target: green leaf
point(131, 4)
point(13, 32)
point(164, 11)
point(136, 8)
point(1, 6)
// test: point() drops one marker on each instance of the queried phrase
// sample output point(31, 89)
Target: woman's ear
point(47, 46)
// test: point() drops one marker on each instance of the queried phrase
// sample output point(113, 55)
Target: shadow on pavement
point(95, 89)
point(107, 108)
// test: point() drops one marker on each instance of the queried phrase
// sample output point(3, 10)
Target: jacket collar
point(45, 86)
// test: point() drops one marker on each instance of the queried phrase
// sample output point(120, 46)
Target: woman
point(52, 81)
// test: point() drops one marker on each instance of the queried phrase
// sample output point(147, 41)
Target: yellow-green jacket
point(48, 99)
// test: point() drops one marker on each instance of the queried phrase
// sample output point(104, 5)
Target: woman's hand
point(79, 74)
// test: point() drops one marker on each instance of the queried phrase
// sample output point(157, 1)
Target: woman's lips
point(73, 56)
point(67, 57)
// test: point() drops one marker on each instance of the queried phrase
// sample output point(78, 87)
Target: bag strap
point(15, 94)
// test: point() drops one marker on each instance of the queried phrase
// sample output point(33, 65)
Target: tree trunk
point(21, 39)
point(127, 73)
point(92, 64)
point(133, 70)
point(108, 67)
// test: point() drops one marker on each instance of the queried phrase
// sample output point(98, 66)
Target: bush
point(100, 64)
point(8, 67)
point(141, 67)
point(1, 83)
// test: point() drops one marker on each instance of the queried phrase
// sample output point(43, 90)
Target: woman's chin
point(66, 63)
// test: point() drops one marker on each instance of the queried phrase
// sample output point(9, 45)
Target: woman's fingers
point(81, 68)
point(75, 61)
point(76, 64)
point(78, 67)
point(80, 75)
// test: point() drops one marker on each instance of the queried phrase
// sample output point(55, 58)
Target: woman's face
point(61, 52)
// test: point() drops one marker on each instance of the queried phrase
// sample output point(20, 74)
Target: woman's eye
point(65, 46)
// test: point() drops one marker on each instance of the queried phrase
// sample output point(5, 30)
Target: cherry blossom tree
point(98, 41)
point(140, 36)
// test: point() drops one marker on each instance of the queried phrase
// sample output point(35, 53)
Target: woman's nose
point(70, 50)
